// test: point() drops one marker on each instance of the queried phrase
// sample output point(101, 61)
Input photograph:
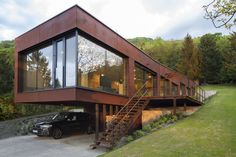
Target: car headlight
point(46, 126)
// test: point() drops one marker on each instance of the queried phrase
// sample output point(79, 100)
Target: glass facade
point(38, 69)
point(141, 76)
point(69, 62)
point(59, 64)
point(174, 89)
point(182, 89)
point(99, 68)
point(77, 61)
point(162, 86)
point(189, 91)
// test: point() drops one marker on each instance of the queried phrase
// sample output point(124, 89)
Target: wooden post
point(111, 110)
point(158, 85)
point(185, 107)
point(104, 111)
point(174, 105)
point(96, 122)
point(117, 109)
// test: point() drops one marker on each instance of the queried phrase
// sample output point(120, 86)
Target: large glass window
point(182, 89)
point(70, 61)
point(99, 68)
point(38, 69)
point(30, 72)
point(45, 68)
point(174, 89)
point(189, 91)
point(141, 76)
point(167, 87)
point(162, 86)
point(59, 64)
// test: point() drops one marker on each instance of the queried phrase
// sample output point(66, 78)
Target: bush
point(129, 139)
point(147, 128)
point(156, 124)
point(137, 134)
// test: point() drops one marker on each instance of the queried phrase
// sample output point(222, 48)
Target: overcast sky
point(169, 19)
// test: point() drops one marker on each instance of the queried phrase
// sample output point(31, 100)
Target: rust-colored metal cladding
point(75, 18)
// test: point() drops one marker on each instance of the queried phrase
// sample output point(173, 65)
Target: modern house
point(74, 59)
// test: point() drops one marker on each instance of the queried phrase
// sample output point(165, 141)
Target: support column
point(174, 106)
point(111, 110)
point(96, 122)
point(104, 113)
point(117, 109)
point(185, 107)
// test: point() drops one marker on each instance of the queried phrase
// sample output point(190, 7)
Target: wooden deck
point(167, 101)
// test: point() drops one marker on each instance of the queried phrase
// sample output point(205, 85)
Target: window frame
point(53, 43)
point(146, 70)
point(108, 48)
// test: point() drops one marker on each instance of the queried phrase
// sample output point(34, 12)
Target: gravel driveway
point(33, 146)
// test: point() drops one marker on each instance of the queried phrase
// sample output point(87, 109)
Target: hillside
point(210, 132)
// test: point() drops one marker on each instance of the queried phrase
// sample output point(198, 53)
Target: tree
point(210, 59)
point(229, 64)
point(189, 59)
point(6, 66)
point(221, 13)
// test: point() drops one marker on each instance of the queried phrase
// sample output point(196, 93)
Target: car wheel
point(39, 135)
point(56, 133)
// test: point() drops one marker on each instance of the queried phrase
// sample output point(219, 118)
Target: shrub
point(129, 139)
point(165, 119)
point(147, 128)
point(137, 134)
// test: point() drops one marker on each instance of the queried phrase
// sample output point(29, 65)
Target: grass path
point(210, 132)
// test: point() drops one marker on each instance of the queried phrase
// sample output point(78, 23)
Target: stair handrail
point(118, 125)
point(129, 100)
point(132, 107)
point(199, 93)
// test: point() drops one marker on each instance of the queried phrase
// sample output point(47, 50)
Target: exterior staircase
point(124, 119)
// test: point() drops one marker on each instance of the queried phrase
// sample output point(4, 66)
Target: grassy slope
point(209, 132)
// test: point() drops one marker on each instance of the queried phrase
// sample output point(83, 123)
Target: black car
point(63, 123)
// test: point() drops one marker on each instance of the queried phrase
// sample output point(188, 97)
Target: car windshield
point(60, 116)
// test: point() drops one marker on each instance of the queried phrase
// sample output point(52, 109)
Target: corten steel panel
point(27, 40)
point(76, 17)
point(130, 79)
point(51, 28)
point(46, 96)
point(84, 95)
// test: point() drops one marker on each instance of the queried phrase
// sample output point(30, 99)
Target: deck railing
point(199, 94)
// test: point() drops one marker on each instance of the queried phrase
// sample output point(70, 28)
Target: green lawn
point(211, 131)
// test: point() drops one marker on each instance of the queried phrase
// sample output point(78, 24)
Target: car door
point(72, 122)
point(83, 121)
